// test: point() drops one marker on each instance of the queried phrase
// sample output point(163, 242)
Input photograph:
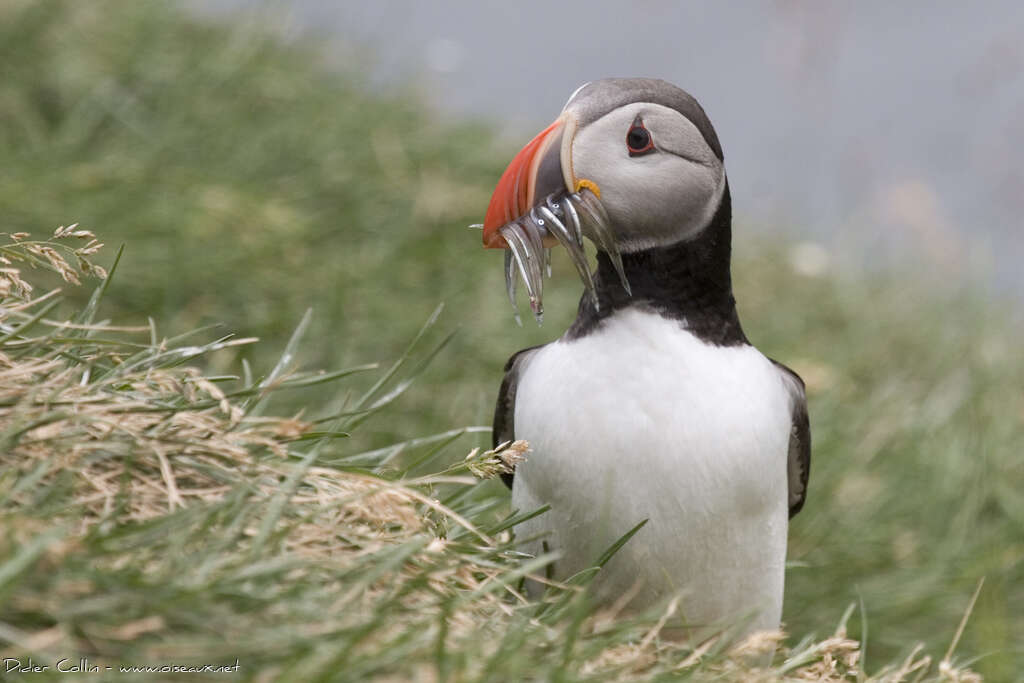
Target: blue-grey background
point(885, 131)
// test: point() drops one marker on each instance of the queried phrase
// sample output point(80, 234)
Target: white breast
point(642, 420)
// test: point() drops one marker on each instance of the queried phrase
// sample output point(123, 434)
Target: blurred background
point(866, 126)
point(259, 160)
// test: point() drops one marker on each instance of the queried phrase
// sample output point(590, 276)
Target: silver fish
point(565, 217)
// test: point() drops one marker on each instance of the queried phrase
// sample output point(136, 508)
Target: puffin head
point(636, 160)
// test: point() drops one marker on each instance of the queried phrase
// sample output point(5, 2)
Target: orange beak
point(517, 189)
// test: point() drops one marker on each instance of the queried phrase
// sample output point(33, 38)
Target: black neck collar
point(689, 281)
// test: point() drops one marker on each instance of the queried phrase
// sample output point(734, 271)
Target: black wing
point(798, 467)
point(505, 409)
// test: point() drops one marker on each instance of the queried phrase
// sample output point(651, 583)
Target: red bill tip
point(514, 194)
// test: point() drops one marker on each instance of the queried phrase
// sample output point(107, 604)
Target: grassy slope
point(248, 184)
point(153, 521)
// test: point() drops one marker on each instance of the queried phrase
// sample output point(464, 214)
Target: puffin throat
point(689, 281)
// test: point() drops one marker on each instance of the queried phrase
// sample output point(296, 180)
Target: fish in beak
point(539, 203)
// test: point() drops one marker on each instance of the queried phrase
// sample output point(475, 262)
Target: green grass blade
point(615, 547)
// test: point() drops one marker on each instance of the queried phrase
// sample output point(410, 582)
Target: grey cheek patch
point(566, 218)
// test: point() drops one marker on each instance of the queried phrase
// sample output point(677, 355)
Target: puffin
point(652, 409)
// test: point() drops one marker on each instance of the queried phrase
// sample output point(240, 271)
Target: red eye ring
point(638, 139)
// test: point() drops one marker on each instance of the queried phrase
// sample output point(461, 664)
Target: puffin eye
point(638, 139)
